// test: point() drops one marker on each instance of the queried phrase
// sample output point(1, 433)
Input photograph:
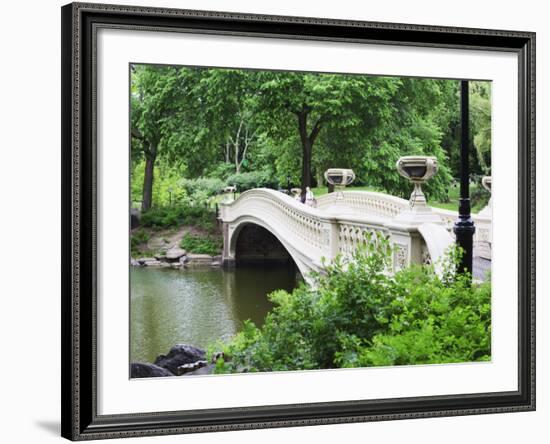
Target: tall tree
point(157, 106)
point(358, 121)
point(347, 106)
point(228, 97)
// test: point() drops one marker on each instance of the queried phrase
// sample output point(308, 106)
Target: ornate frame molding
point(79, 395)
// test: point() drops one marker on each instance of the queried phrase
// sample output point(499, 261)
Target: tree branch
point(137, 134)
point(315, 131)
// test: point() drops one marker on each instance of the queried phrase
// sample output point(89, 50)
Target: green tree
point(227, 112)
point(480, 109)
point(292, 126)
point(157, 99)
point(308, 104)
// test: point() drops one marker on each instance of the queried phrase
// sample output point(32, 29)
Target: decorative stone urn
point(229, 193)
point(418, 170)
point(486, 182)
point(340, 178)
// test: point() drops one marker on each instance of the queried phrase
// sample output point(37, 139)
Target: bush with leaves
point(201, 189)
point(252, 179)
point(197, 215)
point(360, 315)
point(137, 238)
point(202, 244)
point(479, 197)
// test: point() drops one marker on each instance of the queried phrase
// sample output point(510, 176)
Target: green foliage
point(252, 179)
point(202, 244)
point(479, 197)
point(177, 215)
point(221, 170)
point(359, 315)
point(243, 127)
point(480, 109)
point(166, 186)
point(138, 237)
point(200, 190)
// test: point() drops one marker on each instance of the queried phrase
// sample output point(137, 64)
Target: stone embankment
point(182, 359)
point(176, 257)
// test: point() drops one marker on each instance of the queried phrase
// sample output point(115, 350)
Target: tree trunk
point(306, 167)
point(306, 152)
point(227, 156)
point(148, 178)
point(237, 163)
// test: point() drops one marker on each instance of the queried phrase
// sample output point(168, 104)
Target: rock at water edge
point(146, 370)
point(175, 253)
point(180, 354)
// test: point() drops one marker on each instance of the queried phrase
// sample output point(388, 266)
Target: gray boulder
point(199, 258)
point(175, 253)
point(179, 355)
point(144, 260)
point(187, 368)
point(206, 370)
point(146, 370)
point(153, 263)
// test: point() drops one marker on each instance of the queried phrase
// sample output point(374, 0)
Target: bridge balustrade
point(334, 227)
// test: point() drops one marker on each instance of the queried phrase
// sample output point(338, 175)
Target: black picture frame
point(79, 386)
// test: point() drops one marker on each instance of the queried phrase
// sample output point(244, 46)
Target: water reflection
point(197, 306)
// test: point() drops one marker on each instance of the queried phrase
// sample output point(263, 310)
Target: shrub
point(163, 217)
point(358, 316)
point(201, 189)
point(479, 197)
point(137, 238)
point(221, 171)
point(202, 244)
point(252, 179)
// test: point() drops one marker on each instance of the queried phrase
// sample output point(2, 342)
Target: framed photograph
point(275, 221)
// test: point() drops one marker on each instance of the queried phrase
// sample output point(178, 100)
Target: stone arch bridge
point(264, 224)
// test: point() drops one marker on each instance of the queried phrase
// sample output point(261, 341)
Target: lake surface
point(198, 306)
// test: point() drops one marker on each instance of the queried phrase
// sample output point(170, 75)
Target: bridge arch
point(245, 225)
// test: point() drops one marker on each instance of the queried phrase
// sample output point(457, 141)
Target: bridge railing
point(370, 202)
point(289, 220)
point(310, 233)
point(366, 201)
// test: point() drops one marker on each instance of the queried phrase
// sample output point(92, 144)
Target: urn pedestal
point(418, 170)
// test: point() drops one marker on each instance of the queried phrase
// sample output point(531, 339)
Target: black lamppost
point(288, 185)
point(464, 228)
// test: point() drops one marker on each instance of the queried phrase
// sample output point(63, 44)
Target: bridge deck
point(480, 268)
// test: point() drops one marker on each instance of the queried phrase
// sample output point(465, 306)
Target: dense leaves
point(201, 244)
point(359, 315)
point(176, 215)
point(267, 128)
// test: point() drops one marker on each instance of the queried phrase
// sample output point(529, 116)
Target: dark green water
point(197, 306)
